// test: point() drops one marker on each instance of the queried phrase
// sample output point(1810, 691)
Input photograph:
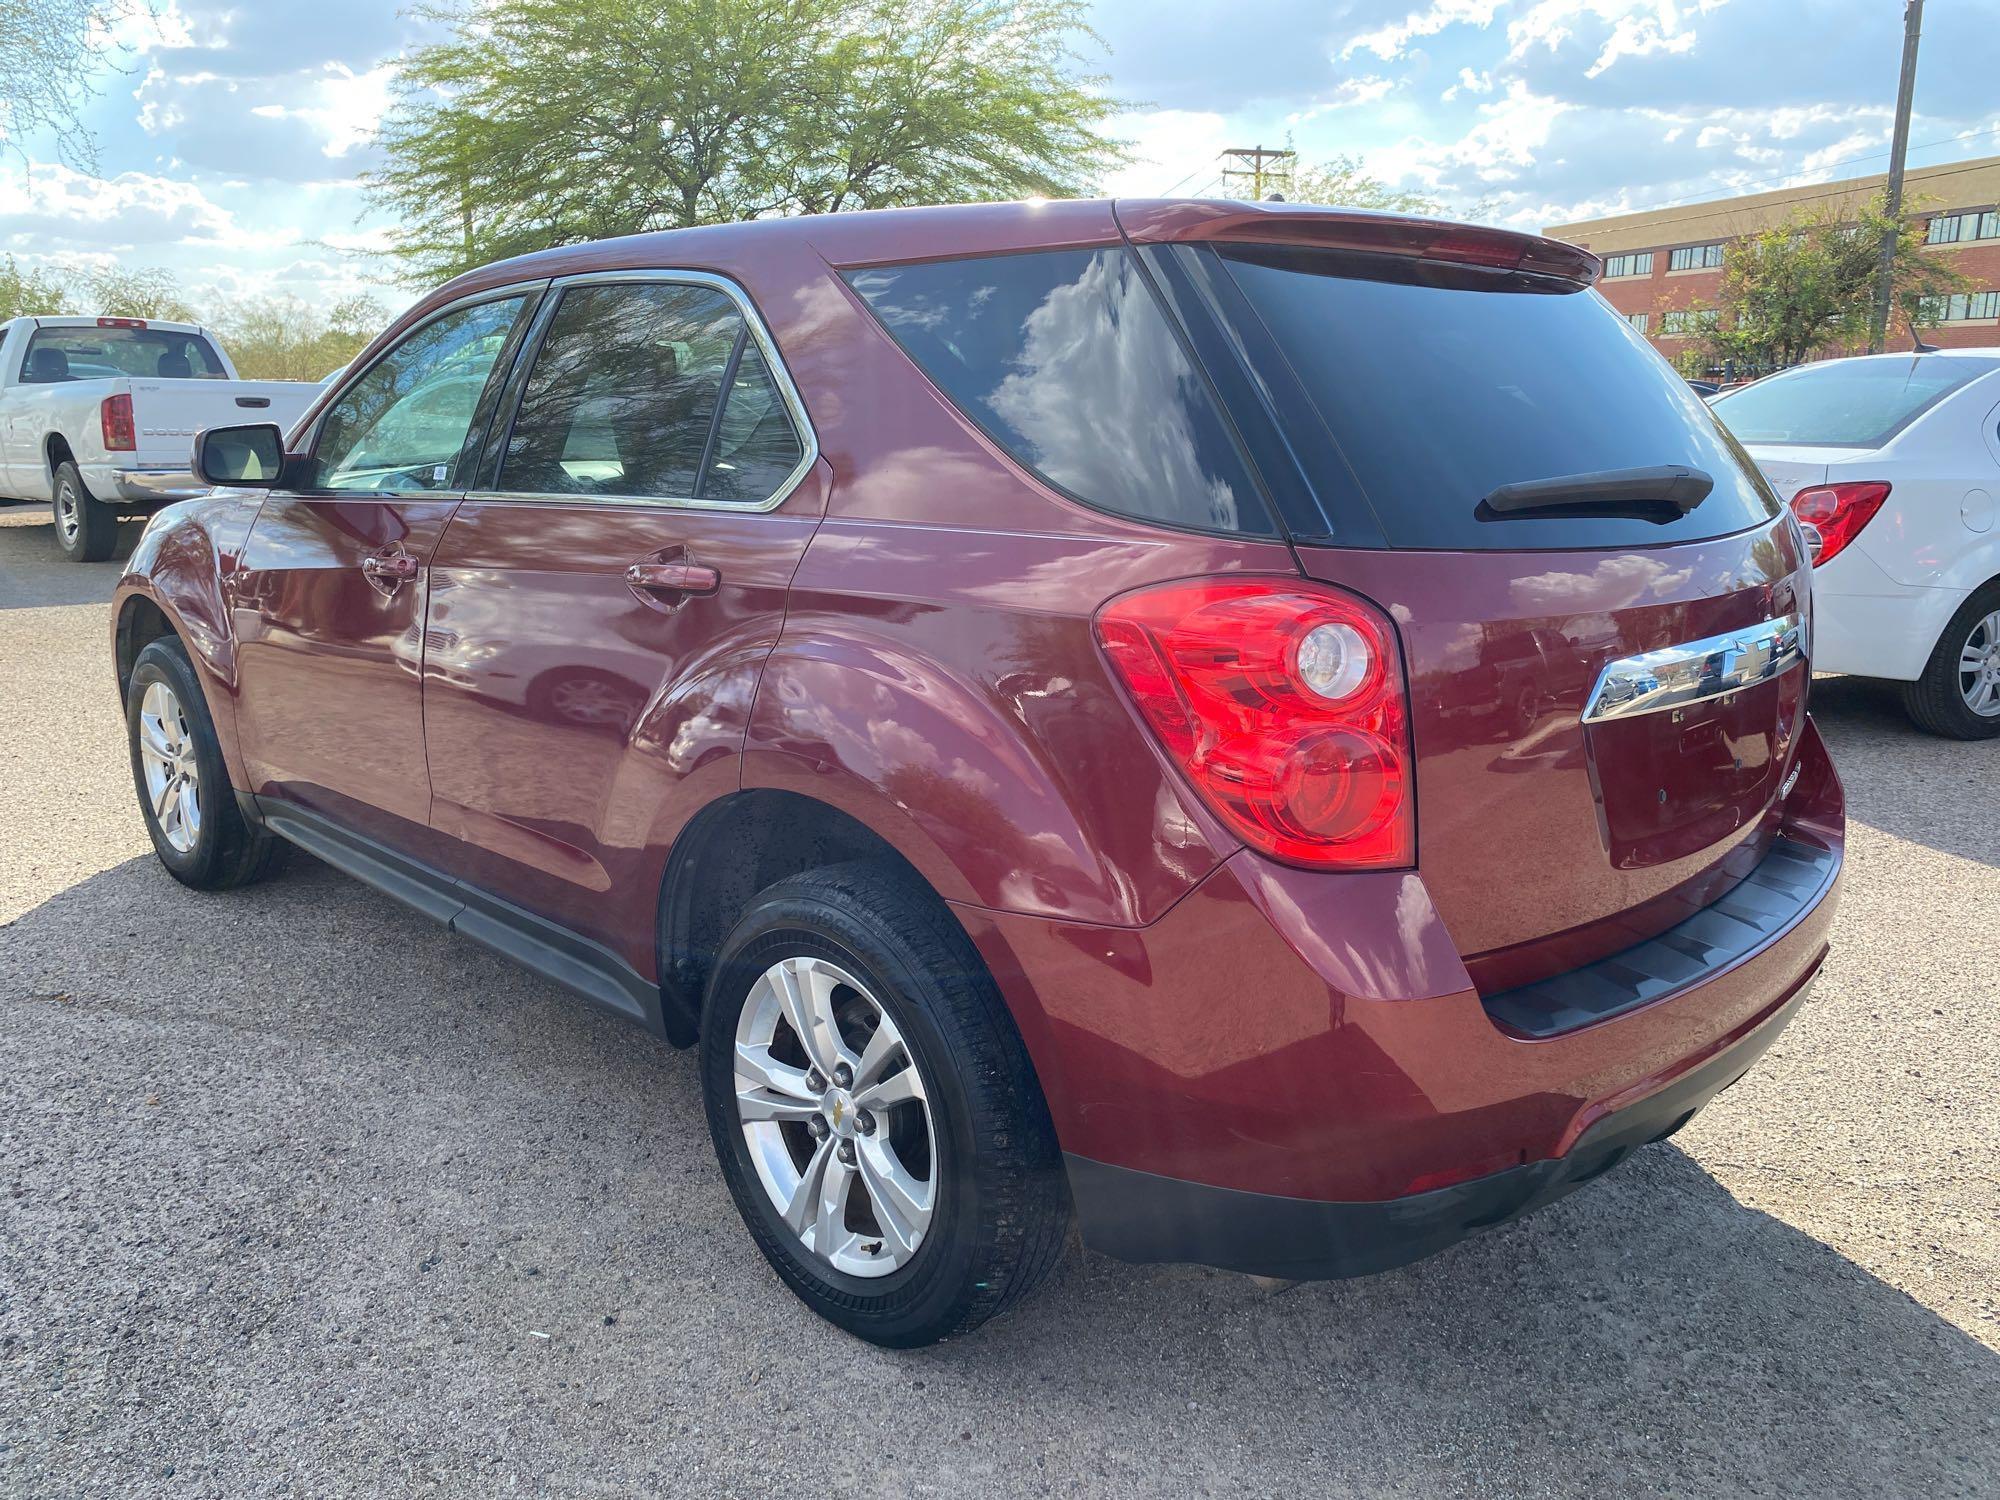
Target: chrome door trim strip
point(1677, 676)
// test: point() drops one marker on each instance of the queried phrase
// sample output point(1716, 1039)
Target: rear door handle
point(673, 577)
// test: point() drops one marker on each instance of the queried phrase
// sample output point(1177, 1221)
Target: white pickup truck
point(98, 417)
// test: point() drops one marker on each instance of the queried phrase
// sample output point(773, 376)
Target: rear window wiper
point(1665, 492)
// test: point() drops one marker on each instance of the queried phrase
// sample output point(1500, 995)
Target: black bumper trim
point(1146, 1218)
point(1786, 884)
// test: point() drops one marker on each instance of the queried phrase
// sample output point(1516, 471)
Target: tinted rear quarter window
point(1066, 360)
point(1438, 385)
point(1845, 403)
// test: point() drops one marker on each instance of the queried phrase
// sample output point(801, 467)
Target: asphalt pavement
point(300, 1195)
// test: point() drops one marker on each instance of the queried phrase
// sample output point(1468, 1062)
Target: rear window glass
point(61, 354)
point(1439, 385)
point(1845, 403)
point(1065, 359)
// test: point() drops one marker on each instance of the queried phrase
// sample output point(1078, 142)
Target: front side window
point(625, 395)
point(403, 425)
point(1065, 359)
point(56, 355)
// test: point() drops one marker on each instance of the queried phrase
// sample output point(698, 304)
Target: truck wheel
point(86, 527)
point(877, 1119)
point(185, 796)
point(1959, 694)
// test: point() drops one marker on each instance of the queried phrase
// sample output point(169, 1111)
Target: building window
point(1685, 320)
point(1954, 229)
point(1963, 308)
point(1695, 258)
point(1629, 265)
point(1639, 320)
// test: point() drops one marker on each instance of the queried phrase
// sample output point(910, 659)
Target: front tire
point(874, 1110)
point(185, 796)
point(86, 528)
point(1958, 695)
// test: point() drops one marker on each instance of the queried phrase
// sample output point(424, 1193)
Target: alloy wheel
point(173, 778)
point(836, 1116)
point(1979, 667)
point(69, 520)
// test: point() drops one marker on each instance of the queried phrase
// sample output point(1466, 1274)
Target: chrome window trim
point(1679, 676)
point(781, 377)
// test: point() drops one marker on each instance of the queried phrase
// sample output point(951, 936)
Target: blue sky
point(234, 130)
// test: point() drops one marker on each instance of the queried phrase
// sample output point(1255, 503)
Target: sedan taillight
point(1833, 514)
point(115, 415)
point(1283, 702)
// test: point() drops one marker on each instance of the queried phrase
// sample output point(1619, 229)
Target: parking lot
point(303, 1195)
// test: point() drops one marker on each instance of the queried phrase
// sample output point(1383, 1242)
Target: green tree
point(138, 292)
point(1808, 285)
point(545, 122)
point(1341, 182)
point(48, 51)
point(282, 338)
point(30, 292)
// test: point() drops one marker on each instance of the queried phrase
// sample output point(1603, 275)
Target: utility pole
point(1913, 25)
point(1249, 162)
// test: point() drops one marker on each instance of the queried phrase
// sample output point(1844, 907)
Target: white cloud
point(1637, 28)
point(64, 208)
point(1173, 151)
point(345, 108)
point(1390, 41)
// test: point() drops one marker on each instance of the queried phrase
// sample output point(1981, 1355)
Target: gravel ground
point(304, 1196)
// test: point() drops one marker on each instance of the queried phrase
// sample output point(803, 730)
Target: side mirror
point(247, 457)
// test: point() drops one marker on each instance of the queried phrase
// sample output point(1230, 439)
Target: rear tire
point(86, 528)
point(991, 1195)
point(1964, 667)
point(185, 796)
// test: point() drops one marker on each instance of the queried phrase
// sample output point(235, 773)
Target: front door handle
point(391, 568)
point(673, 577)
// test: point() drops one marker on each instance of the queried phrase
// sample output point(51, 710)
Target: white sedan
point(1891, 463)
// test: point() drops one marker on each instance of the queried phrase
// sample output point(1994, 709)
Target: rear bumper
point(147, 487)
point(1867, 624)
point(1138, 1216)
point(1293, 1073)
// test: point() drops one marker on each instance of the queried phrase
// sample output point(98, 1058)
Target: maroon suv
point(1280, 732)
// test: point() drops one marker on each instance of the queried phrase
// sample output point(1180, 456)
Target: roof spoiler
point(1156, 221)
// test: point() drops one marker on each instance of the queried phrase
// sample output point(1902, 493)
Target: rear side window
point(653, 390)
point(1066, 360)
point(1439, 384)
point(1845, 403)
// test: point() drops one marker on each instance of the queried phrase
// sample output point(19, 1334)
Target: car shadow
point(1939, 792)
point(355, 1168)
point(34, 574)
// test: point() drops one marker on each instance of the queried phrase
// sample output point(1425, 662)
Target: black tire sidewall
point(1935, 700)
point(166, 661)
point(96, 522)
point(909, 1304)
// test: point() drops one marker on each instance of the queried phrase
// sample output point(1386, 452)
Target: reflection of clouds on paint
point(1615, 583)
point(1101, 396)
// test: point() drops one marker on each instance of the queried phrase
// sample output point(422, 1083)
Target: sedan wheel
point(1979, 667)
point(836, 1117)
point(167, 758)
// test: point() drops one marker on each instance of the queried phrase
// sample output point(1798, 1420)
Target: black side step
point(546, 948)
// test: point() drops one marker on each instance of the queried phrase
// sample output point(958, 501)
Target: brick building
point(1659, 265)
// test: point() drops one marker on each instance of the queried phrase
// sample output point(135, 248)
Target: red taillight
point(1283, 702)
point(121, 322)
point(115, 413)
point(1833, 515)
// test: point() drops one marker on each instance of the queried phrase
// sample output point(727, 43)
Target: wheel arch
point(737, 845)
